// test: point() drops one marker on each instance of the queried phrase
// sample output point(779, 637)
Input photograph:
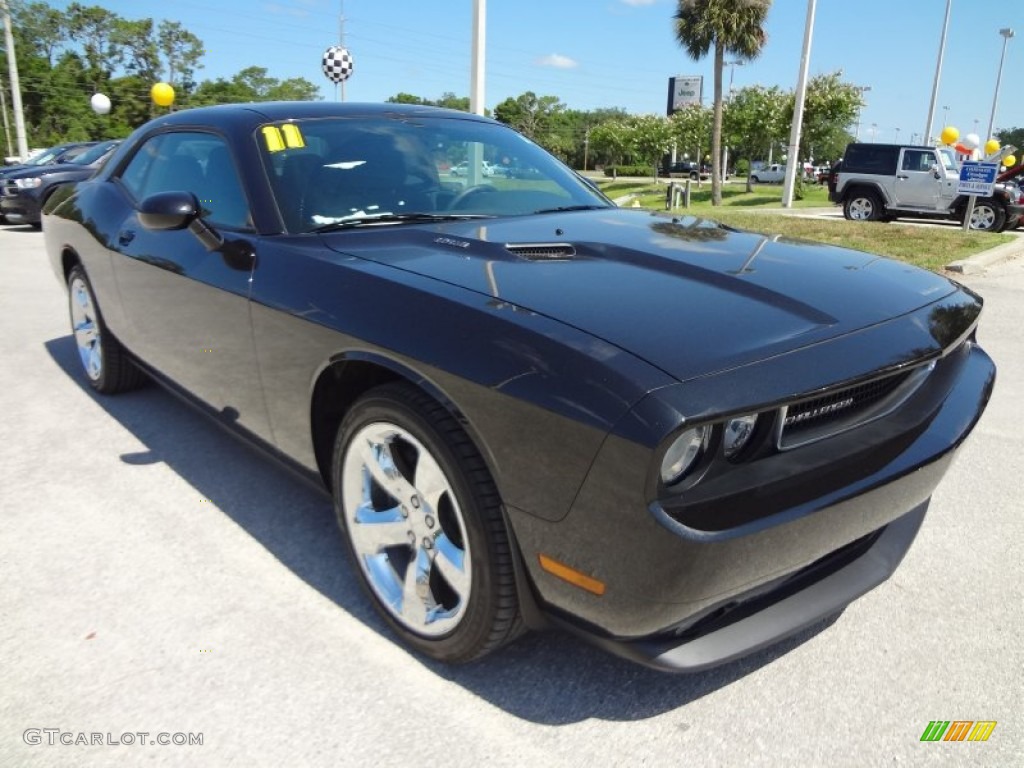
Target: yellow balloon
point(163, 94)
point(1009, 161)
point(991, 147)
point(949, 135)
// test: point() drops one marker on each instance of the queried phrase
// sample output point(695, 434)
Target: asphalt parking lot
point(160, 577)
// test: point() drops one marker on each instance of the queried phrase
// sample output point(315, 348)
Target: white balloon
point(100, 103)
point(971, 141)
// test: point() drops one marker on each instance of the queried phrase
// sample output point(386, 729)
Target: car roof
point(258, 113)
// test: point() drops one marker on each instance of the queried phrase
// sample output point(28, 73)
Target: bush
point(628, 170)
point(742, 167)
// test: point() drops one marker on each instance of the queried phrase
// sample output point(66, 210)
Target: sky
point(620, 53)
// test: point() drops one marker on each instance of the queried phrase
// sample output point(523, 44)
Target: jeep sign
point(684, 90)
point(977, 178)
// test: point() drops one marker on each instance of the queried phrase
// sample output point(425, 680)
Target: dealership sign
point(684, 90)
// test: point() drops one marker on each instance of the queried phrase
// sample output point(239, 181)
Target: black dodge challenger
point(532, 408)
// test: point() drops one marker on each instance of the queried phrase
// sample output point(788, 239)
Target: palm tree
point(735, 27)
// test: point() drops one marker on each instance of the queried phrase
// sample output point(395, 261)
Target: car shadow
point(548, 678)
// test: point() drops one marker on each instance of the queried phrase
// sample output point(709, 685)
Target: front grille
point(837, 411)
point(542, 251)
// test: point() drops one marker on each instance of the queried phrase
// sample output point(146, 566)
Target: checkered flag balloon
point(337, 64)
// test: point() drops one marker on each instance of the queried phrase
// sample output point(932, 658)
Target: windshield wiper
point(563, 208)
point(396, 218)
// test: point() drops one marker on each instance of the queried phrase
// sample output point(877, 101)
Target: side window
point(199, 163)
point(917, 160)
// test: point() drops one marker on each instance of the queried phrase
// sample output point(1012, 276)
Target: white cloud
point(557, 60)
point(639, 2)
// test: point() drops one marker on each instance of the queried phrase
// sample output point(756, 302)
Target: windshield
point(949, 159)
point(94, 153)
point(46, 156)
point(395, 170)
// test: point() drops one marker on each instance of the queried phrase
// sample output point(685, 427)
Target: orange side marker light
point(571, 575)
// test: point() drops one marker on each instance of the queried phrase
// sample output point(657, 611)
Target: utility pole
point(474, 167)
point(476, 87)
point(798, 110)
point(12, 64)
point(7, 124)
point(341, 39)
point(1007, 33)
point(938, 74)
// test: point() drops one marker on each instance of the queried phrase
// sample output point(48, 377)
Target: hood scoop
point(542, 251)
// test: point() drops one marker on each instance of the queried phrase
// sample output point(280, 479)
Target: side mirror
point(168, 210)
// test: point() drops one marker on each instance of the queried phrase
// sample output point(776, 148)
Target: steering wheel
point(469, 193)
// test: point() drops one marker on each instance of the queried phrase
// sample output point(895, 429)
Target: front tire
point(108, 367)
point(423, 522)
point(862, 206)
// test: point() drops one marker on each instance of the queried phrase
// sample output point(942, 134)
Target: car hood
point(684, 294)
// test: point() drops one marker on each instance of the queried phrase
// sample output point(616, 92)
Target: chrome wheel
point(987, 218)
point(406, 528)
point(861, 209)
point(85, 324)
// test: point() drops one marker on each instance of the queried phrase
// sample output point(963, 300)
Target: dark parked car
point(62, 153)
point(25, 191)
point(532, 408)
point(690, 170)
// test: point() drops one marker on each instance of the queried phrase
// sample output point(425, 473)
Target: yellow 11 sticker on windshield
point(286, 136)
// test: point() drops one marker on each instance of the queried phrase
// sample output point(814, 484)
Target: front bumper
point(20, 207)
point(765, 617)
point(684, 598)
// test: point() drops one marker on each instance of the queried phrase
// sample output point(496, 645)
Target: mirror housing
point(168, 210)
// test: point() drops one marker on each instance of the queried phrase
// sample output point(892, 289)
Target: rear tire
point(987, 216)
point(108, 367)
point(862, 206)
point(423, 523)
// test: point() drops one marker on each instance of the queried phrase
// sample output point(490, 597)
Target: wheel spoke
point(377, 459)
point(416, 588)
point(373, 531)
point(451, 562)
point(430, 481)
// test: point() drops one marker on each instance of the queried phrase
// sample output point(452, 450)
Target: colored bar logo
point(958, 730)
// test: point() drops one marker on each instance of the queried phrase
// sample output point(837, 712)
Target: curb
point(979, 262)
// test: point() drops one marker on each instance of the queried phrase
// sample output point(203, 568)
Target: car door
point(916, 185)
point(188, 307)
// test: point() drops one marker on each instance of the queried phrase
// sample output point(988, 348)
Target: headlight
point(682, 454)
point(30, 183)
point(736, 434)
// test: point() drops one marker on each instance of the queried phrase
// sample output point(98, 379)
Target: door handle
point(125, 237)
point(902, 177)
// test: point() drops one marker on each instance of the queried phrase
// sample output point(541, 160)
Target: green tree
point(755, 119)
point(529, 114)
point(1014, 136)
point(829, 107)
point(610, 142)
point(735, 27)
point(691, 130)
point(448, 100)
point(254, 84)
point(650, 137)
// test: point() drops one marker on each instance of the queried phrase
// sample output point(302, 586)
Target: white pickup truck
point(774, 173)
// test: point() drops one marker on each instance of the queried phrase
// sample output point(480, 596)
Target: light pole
point(798, 107)
point(874, 131)
point(1007, 33)
point(945, 116)
point(897, 135)
point(861, 90)
point(938, 73)
point(732, 72)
